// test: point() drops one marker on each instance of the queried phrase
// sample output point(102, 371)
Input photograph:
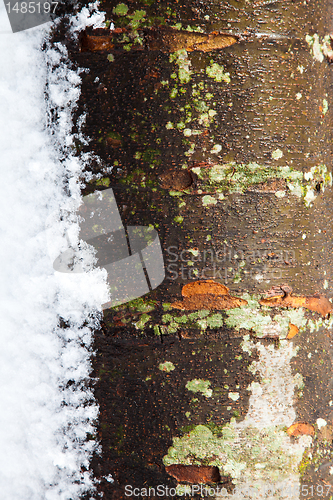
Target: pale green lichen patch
point(325, 106)
point(179, 219)
point(258, 319)
point(316, 180)
point(248, 453)
point(199, 385)
point(237, 178)
point(167, 366)
point(216, 72)
point(257, 450)
point(233, 177)
point(144, 318)
point(120, 10)
point(180, 57)
point(208, 200)
point(277, 154)
point(319, 48)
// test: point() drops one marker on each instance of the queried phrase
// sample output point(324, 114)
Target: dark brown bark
point(212, 148)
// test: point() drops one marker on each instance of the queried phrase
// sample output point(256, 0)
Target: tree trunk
point(223, 144)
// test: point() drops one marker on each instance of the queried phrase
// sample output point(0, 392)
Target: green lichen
point(144, 318)
point(277, 154)
point(179, 219)
point(103, 182)
point(319, 48)
point(235, 177)
point(241, 452)
point(120, 10)
point(167, 366)
point(181, 59)
point(208, 200)
point(216, 72)
point(199, 385)
point(256, 318)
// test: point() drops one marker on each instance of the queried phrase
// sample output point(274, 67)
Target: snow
point(43, 419)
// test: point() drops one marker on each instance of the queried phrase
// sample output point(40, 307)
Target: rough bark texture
point(227, 153)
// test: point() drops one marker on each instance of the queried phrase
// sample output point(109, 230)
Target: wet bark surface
point(248, 231)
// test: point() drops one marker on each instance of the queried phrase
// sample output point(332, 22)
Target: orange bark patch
point(293, 330)
point(207, 294)
point(195, 474)
point(93, 43)
point(317, 303)
point(301, 429)
point(171, 40)
point(164, 39)
point(204, 287)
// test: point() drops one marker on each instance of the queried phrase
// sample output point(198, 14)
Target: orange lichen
point(301, 429)
point(207, 294)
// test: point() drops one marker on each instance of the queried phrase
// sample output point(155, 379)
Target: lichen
point(238, 451)
point(256, 450)
point(318, 48)
point(167, 366)
point(199, 385)
point(216, 72)
point(180, 57)
point(208, 200)
point(235, 177)
point(120, 10)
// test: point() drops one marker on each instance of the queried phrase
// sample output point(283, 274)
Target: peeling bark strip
point(227, 152)
point(194, 474)
point(319, 303)
point(164, 39)
point(207, 294)
point(301, 429)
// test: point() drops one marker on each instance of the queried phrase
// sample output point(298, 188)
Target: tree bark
point(226, 150)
